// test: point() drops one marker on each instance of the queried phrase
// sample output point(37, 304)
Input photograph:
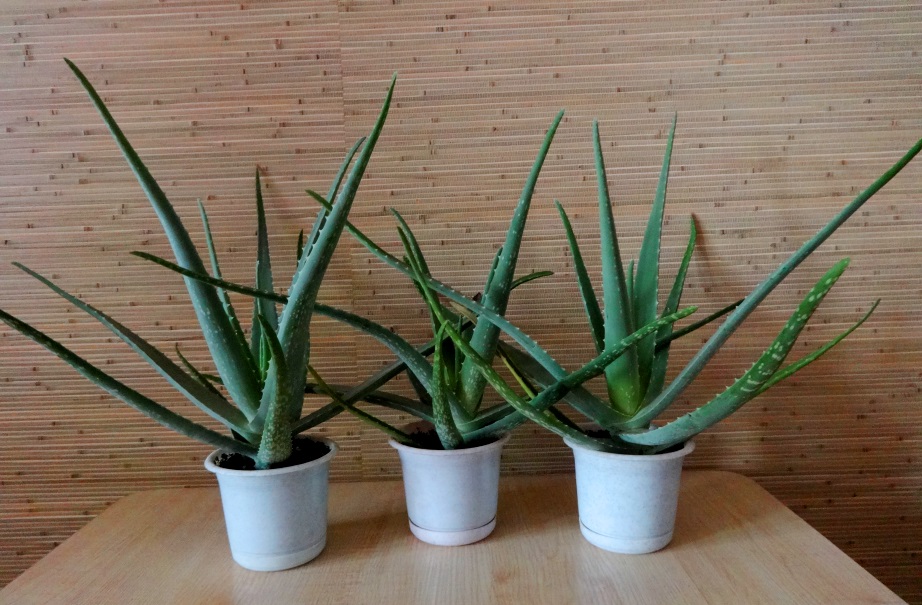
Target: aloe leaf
point(392, 401)
point(492, 273)
point(735, 319)
point(379, 424)
point(530, 277)
point(231, 361)
point(225, 299)
point(646, 289)
point(208, 400)
point(629, 284)
point(276, 443)
point(621, 377)
point(791, 369)
point(264, 261)
point(331, 194)
point(660, 361)
point(437, 311)
point(486, 335)
point(418, 388)
point(750, 383)
point(294, 323)
point(361, 391)
point(586, 291)
point(117, 389)
point(206, 380)
point(542, 417)
point(666, 341)
point(445, 426)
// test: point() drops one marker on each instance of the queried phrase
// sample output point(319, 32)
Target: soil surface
point(305, 450)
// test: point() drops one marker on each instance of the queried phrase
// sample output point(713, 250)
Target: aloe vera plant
point(264, 378)
point(635, 378)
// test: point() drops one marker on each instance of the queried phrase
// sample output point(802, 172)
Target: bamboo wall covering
point(786, 110)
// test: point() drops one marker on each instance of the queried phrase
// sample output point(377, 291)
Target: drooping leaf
point(208, 400)
point(117, 389)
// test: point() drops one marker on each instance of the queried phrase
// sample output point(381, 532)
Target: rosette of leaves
point(635, 378)
point(258, 392)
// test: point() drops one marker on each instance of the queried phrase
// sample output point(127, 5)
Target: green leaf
point(294, 323)
point(586, 291)
point(445, 426)
point(665, 342)
point(521, 281)
point(486, 335)
point(621, 377)
point(300, 246)
point(225, 299)
point(379, 424)
point(146, 406)
point(660, 362)
point(803, 362)
point(735, 319)
point(646, 291)
point(264, 261)
point(231, 360)
point(277, 437)
point(749, 384)
point(208, 400)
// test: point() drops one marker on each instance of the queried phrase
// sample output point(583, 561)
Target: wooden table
point(734, 543)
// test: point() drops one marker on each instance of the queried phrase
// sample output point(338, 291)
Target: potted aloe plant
point(450, 457)
point(273, 483)
point(627, 469)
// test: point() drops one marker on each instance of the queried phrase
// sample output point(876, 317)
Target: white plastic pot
point(277, 518)
point(451, 494)
point(627, 504)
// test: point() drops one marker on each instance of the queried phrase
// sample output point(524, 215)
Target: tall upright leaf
point(646, 288)
point(621, 375)
point(230, 359)
point(496, 298)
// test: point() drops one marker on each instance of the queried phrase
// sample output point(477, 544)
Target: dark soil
point(305, 450)
point(429, 440)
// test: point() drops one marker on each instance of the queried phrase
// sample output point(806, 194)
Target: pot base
point(453, 538)
point(625, 546)
point(257, 562)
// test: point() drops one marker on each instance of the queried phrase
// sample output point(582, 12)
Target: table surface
point(734, 543)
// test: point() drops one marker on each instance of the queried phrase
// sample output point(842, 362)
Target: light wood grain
point(786, 108)
point(734, 543)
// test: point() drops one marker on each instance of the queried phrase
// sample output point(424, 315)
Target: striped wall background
point(786, 109)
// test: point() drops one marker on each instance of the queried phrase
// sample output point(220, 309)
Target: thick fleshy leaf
point(660, 362)
point(586, 291)
point(749, 384)
point(486, 335)
point(231, 361)
point(646, 288)
point(690, 328)
point(277, 437)
point(445, 426)
point(736, 318)
point(264, 261)
point(225, 299)
point(294, 323)
point(208, 400)
point(146, 406)
point(621, 376)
